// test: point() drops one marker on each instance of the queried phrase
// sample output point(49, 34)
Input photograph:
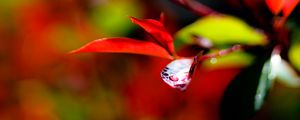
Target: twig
point(196, 7)
point(220, 53)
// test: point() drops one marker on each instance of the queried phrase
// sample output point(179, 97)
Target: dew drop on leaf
point(177, 73)
point(213, 60)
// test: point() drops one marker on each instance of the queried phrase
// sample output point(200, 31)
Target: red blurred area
point(33, 46)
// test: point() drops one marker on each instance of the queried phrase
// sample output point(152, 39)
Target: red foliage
point(32, 48)
point(287, 6)
point(158, 31)
point(275, 5)
point(124, 45)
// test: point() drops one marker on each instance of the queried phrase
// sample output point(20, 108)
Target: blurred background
point(39, 81)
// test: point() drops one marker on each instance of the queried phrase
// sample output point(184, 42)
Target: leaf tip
point(73, 52)
point(84, 47)
point(133, 19)
point(275, 6)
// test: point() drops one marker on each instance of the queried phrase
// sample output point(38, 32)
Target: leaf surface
point(289, 6)
point(124, 45)
point(238, 59)
point(294, 55)
point(222, 29)
point(158, 31)
point(275, 5)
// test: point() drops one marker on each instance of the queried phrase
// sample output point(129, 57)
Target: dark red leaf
point(275, 5)
point(289, 6)
point(124, 45)
point(157, 30)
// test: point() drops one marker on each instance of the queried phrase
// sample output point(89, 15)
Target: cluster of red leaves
point(161, 47)
point(176, 74)
point(146, 95)
point(284, 6)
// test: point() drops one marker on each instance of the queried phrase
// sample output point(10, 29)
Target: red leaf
point(157, 30)
point(289, 6)
point(275, 5)
point(124, 45)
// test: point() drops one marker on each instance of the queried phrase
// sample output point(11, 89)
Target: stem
point(281, 31)
point(220, 53)
point(281, 35)
point(196, 7)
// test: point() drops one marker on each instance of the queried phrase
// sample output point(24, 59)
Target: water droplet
point(177, 75)
point(213, 60)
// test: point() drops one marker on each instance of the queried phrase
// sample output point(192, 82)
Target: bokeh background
point(39, 81)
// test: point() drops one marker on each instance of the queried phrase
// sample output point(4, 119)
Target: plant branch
point(220, 53)
point(196, 7)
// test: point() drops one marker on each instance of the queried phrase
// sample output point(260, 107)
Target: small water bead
point(213, 60)
point(176, 74)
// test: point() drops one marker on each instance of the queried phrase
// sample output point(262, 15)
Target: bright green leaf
point(294, 55)
point(295, 47)
point(222, 29)
point(233, 59)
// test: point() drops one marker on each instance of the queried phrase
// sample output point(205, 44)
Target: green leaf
point(111, 18)
point(264, 84)
point(222, 29)
point(294, 55)
point(238, 58)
